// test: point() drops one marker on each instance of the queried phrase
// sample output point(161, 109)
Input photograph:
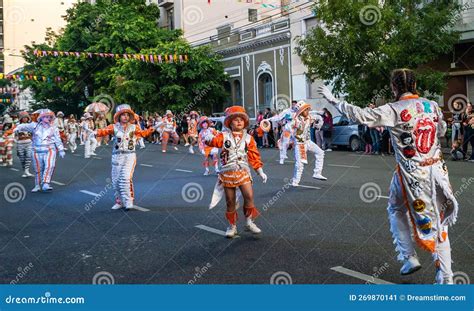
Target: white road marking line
point(89, 193)
point(382, 196)
point(147, 165)
point(136, 207)
point(139, 208)
point(358, 275)
point(340, 165)
point(310, 187)
point(286, 161)
point(76, 155)
point(98, 158)
point(57, 183)
point(210, 229)
point(180, 170)
point(14, 169)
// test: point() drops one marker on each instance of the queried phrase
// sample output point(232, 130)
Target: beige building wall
point(25, 21)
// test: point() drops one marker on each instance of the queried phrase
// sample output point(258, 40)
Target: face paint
point(425, 132)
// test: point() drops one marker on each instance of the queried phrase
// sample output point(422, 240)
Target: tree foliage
point(122, 26)
point(358, 43)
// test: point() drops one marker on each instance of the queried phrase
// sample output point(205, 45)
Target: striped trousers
point(44, 162)
point(23, 151)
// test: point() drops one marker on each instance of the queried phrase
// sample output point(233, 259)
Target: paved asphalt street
point(326, 232)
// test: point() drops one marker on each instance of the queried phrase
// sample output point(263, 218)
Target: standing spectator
point(456, 127)
point(468, 123)
point(327, 129)
point(184, 129)
point(367, 140)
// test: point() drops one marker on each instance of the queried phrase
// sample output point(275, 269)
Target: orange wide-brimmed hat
point(202, 120)
point(302, 106)
point(233, 112)
point(124, 108)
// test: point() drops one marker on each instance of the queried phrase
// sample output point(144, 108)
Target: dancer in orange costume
point(210, 153)
point(238, 153)
point(169, 130)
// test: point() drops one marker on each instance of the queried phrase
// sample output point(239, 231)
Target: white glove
point(262, 174)
point(326, 93)
point(62, 154)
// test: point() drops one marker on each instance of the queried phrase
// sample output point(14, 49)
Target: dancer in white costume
point(46, 144)
point(90, 141)
point(285, 117)
point(421, 198)
point(72, 128)
point(125, 137)
point(300, 126)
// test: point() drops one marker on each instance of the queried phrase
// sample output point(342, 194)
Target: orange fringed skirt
point(234, 179)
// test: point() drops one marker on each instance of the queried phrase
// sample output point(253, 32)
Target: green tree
point(120, 26)
point(360, 42)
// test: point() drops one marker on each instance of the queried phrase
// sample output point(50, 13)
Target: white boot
point(117, 206)
point(410, 265)
point(175, 148)
point(36, 188)
point(319, 176)
point(206, 172)
point(47, 187)
point(231, 231)
point(191, 149)
point(252, 227)
point(441, 279)
point(282, 161)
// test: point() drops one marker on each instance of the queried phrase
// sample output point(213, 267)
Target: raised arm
point(109, 130)
point(25, 127)
point(380, 116)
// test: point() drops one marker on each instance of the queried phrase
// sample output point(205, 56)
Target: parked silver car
point(346, 133)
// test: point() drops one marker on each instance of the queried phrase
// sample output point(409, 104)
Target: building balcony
point(165, 3)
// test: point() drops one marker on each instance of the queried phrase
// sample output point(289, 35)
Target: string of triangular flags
point(25, 76)
point(148, 58)
point(5, 100)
